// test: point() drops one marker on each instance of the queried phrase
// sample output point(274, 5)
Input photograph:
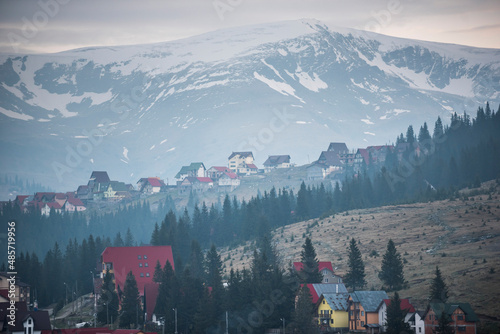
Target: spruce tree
point(391, 273)
point(310, 271)
point(302, 205)
point(107, 307)
point(131, 304)
point(444, 326)
point(167, 294)
point(396, 317)
point(158, 274)
point(355, 277)
point(439, 290)
point(303, 315)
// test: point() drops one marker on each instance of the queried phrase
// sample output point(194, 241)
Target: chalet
point(98, 178)
point(196, 184)
point(115, 191)
point(27, 322)
point(228, 181)
point(316, 171)
point(242, 163)
point(417, 323)
point(84, 193)
point(48, 207)
point(150, 185)
point(331, 311)
point(140, 260)
point(462, 317)
point(215, 172)
point(363, 310)
point(405, 306)
point(339, 148)
point(276, 161)
point(361, 159)
point(22, 290)
point(74, 204)
point(195, 169)
point(325, 268)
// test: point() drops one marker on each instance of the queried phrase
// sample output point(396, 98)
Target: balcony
point(324, 316)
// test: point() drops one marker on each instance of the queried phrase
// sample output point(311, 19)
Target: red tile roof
point(204, 179)
point(54, 205)
point(75, 201)
point(126, 259)
point(20, 198)
point(232, 175)
point(252, 166)
point(155, 182)
point(321, 265)
point(220, 168)
point(405, 305)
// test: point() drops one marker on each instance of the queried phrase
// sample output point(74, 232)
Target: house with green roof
point(461, 316)
point(195, 169)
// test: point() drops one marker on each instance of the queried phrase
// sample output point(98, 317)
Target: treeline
point(37, 233)
point(22, 186)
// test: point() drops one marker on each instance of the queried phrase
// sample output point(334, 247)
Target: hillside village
point(332, 164)
point(335, 309)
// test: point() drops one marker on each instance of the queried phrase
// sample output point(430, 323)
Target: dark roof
point(449, 308)
point(40, 318)
point(339, 148)
point(336, 301)
point(277, 160)
point(330, 158)
point(100, 177)
point(370, 300)
point(243, 154)
point(319, 289)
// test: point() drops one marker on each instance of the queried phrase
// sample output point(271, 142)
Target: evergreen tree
point(129, 239)
point(391, 273)
point(424, 134)
point(158, 274)
point(303, 315)
point(118, 242)
point(302, 205)
point(107, 307)
point(168, 294)
point(355, 277)
point(131, 313)
point(444, 325)
point(410, 136)
point(310, 264)
point(396, 317)
point(439, 290)
point(438, 131)
point(213, 265)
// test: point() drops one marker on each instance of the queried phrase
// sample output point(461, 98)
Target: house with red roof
point(242, 163)
point(196, 184)
point(74, 204)
point(47, 207)
point(325, 268)
point(150, 185)
point(228, 181)
point(140, 260)
point(215, 172)
point(382, 311)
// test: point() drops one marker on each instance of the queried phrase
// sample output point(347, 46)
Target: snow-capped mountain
point(282, 88)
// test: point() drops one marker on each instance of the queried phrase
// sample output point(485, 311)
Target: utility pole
point(175, 311)
point(283, 319)
point(227, 326)
point(95, 300)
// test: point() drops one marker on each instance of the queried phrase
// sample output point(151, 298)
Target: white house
point(229, 180)
point(382, 311)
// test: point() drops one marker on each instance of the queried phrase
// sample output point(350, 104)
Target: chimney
point(336, 288)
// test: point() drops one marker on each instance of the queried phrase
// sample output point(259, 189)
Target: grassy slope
point(426, 234)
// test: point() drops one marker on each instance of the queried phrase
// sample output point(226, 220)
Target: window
point(138, 257)
point(461, 328)
point(331, 321)
point(140, 264)
point(362, 323)
point(147, 274)
point(460, 317)
point(362, 313)
point(326, 280)
point(142, 274)
point(420, 329)
point(146, 264)
point(323, 301)
point(145, 257)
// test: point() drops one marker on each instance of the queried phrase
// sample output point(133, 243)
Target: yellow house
point(332, 311)
point(242, 163)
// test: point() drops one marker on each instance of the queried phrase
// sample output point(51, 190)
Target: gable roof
point(100, 177)
point(277, 160)
point(241, 154)
point(321, 265)
point(204, 179)
point(220, 168)
point(252, 166)
point(405, 305)
point(117, 186)
point(126, 259)
point(230, 175)
point(41, 320)
point(449, 308)
point(336, 301)
point(75, 201)
point(194, 166)
point(318, 289)
point(370, 300)
point(364, 154)
point(339, 148)
point(330, 158)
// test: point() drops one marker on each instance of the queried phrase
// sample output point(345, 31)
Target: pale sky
point(45, 26)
